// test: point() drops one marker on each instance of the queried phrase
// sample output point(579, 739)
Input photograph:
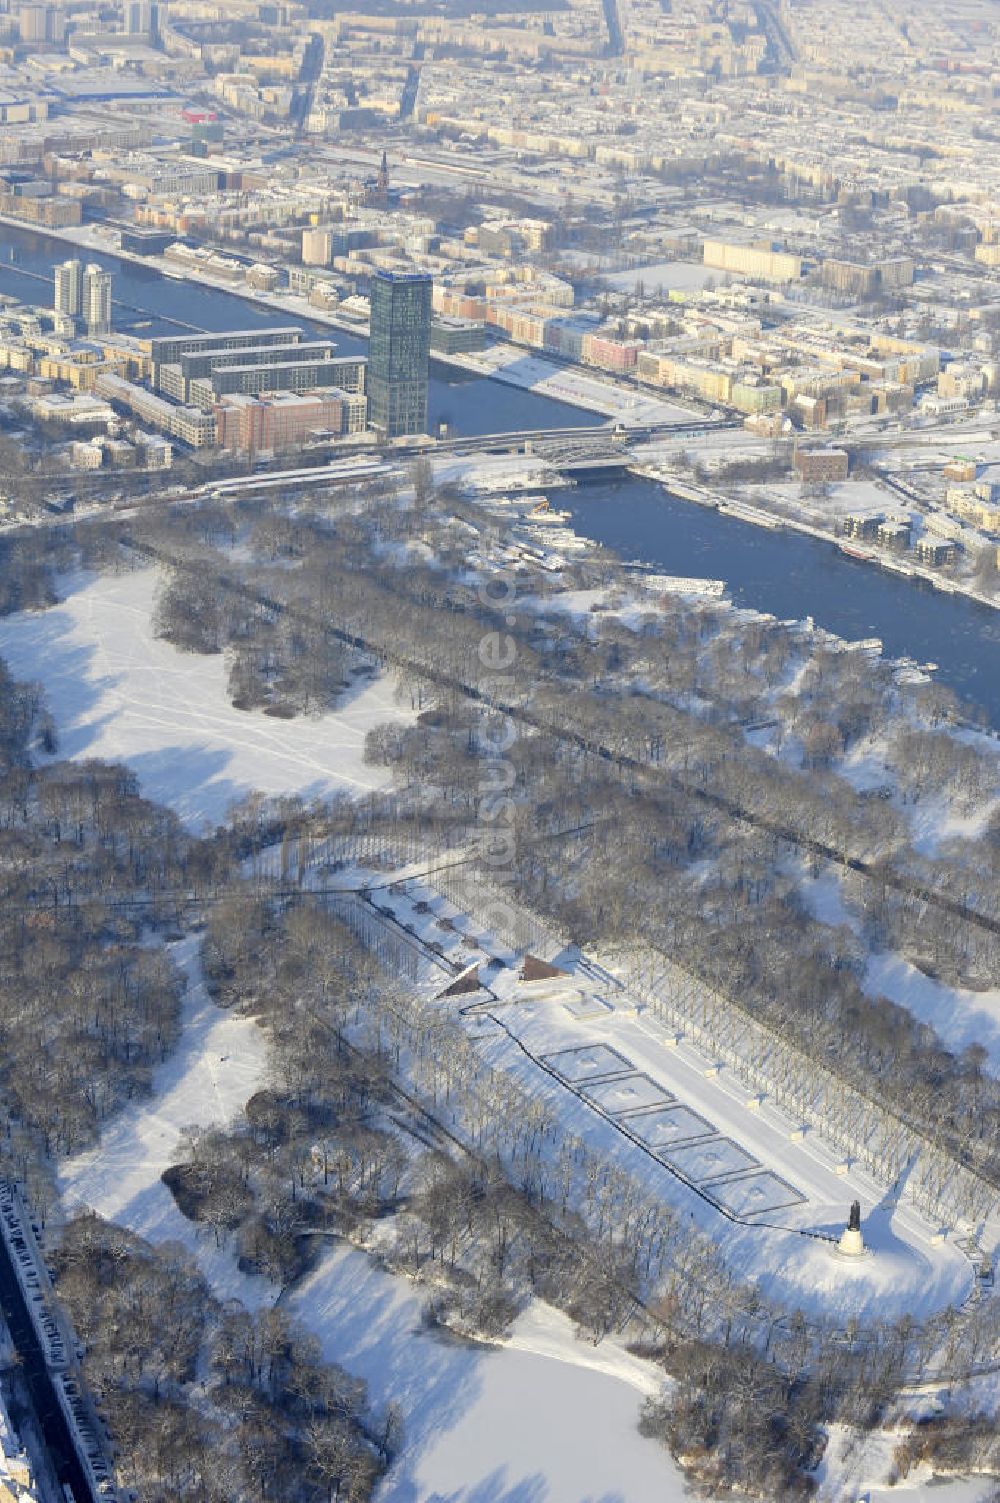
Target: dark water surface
point(794, 576)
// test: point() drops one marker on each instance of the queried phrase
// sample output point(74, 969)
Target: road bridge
point(534, 440)
point(607, 446)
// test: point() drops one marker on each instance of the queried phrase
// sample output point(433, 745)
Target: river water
point(786, 573)
point(794, 576)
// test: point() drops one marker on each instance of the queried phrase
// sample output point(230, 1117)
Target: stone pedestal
point(851, 1244)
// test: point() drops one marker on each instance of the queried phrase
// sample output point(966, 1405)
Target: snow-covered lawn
point(544, 1419)
point(668, 276)
point(119, 693)
point(839, 498)
point(958, 1015)
point(936, 817)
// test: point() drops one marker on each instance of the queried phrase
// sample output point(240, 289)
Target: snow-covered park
point(542, 1419)
point(476, 1429)
point(121, 694)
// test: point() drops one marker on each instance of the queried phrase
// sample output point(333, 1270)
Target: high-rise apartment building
point(399, 352)
point(69, 288)
point(41, 23)
point(97, 299)
point(139, 17)
point(317, 247)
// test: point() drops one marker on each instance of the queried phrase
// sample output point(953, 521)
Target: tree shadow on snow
point(496, 1489)
point(37, 648)
point(189, 779)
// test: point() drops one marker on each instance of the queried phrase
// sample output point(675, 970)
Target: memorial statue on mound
point(852, 1244)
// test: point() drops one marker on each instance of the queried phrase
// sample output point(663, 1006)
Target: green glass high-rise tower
point(399, 351)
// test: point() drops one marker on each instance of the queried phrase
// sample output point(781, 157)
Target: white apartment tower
point(139, 17)
point(97, 299)
point(69, 288)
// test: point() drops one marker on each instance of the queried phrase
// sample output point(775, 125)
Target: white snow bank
point(860, 1467)
point(121, 694)
point(545, 1419)
point(576, 386)
point(959, 1017)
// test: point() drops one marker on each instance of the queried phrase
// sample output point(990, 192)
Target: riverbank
point(745, 510)
point(626, 403)
point(783, 571)
point(570, 385)
point(797, 573)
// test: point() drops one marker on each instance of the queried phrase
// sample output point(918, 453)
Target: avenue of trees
point(706, 828)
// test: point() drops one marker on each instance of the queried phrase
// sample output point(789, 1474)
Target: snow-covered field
point(959, 1015)
point(841, 497)
point(544, 1419)
point(216, 1067)
point(119, 693)
point(669, 276)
